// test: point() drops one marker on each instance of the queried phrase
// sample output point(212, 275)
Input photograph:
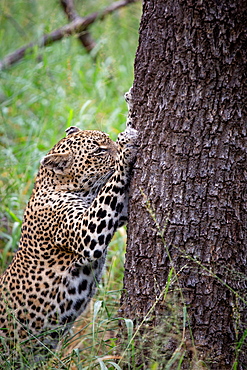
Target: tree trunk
point(186, 254)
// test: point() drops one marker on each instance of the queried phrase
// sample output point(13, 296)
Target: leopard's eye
point(100, 150)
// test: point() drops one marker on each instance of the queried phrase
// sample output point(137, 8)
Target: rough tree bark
point(190, 179)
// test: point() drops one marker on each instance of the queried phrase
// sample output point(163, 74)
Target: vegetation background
point(46, 92)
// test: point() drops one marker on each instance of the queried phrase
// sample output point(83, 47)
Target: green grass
point(46, 92)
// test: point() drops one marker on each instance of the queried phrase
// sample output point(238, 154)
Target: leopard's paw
point(129, 101)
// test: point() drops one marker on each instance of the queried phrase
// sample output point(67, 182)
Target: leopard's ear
point(72, 130)
point(58, 162)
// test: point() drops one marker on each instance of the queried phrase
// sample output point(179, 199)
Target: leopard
point(80, 198)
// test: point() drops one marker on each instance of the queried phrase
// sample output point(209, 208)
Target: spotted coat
point(79, 199)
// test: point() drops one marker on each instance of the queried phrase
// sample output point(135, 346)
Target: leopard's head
point(80, 161)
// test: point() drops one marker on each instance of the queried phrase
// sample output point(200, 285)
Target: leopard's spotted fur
point(79, 200)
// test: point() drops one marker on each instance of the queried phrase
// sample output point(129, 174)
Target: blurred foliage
point(53, 88)
point(46, 92)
